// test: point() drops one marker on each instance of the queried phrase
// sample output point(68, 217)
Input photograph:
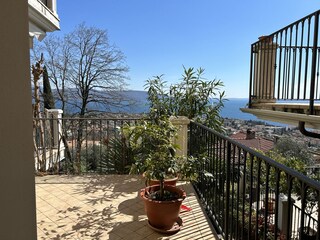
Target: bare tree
point(88, 73)
point(56, 60)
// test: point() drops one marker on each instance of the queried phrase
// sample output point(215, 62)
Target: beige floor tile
point(112, 236)
point(144, 231)
point(154, 236)
point(105, 207)
point(135, 225)
point(52, 212)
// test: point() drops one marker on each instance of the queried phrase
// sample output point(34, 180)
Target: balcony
point(284, 74)
point(43, 17)
point(240, 192)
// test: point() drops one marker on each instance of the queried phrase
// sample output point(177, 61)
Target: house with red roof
point(249, 139)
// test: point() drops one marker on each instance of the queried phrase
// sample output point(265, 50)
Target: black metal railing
point(82, 145)
point(309, 221)
point(285, 65)
point(250, 196)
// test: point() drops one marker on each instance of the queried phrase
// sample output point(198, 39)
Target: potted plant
point(154, 151)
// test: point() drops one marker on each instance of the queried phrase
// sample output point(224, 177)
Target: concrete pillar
point(283, 212)
point(53, 6)
point(56, 125)
point(17, 182)
point(264, 70)
point(182, 140)
point(56, 151)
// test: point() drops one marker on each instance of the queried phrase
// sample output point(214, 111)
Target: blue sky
point(160, 36)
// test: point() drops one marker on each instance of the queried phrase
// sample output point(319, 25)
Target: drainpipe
point(307, 133)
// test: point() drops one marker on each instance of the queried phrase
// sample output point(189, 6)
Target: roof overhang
point(311, 121)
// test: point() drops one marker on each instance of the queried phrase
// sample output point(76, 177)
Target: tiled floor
point(106, 207)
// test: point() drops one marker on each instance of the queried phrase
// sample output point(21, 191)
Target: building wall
point(17, 183)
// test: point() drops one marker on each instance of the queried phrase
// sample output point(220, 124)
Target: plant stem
point(161, 189)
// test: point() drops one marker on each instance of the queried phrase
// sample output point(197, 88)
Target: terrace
point(244, 194)
point(106, 207)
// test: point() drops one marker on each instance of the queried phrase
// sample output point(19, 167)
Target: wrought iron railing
point(310, 222)
point(285, 65)
point(88, 145)
point(250, 196)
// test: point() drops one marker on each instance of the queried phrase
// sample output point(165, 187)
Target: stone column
point(56, 152)
point(264, 70)
point(56, 124)
point(182, 140)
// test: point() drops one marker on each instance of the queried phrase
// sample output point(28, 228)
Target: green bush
point(194, 97)
point(116, 157)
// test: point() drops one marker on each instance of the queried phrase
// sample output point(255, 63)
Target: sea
point(230, 110)
point(232, 107)
point(139, 104)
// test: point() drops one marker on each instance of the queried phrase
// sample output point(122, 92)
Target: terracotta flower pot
point(162, 214)
point(171, 182)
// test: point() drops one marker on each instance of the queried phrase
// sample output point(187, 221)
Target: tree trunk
point(40, 150)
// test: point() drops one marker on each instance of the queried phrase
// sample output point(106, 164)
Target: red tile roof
point(258, 143)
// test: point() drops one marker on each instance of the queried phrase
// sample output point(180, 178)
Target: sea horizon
point(140, 105)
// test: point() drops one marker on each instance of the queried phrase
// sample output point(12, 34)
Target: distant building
point(250, 140)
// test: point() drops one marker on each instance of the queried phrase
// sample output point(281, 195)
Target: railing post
point(182, 137)
point(251, 84)
point(190, 139)
point(314, 63)
point(227, 206)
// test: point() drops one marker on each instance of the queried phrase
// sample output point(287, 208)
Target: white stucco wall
point(17, 183)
